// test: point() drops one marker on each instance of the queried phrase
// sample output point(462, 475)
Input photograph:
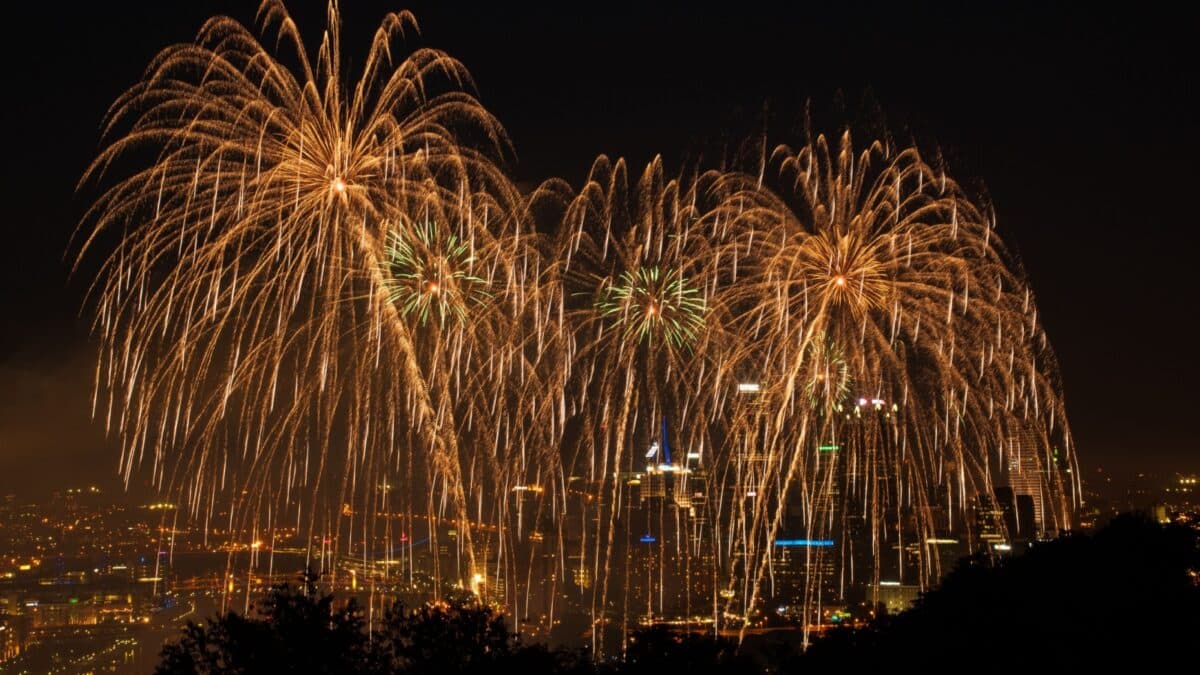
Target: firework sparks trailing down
point(326, 308)
point(874, 272)
point(265, 315)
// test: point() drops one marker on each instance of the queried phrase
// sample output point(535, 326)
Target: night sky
point(1079, 123)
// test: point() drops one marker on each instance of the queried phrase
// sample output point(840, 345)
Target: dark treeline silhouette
point(1128, 594)
point(297, 631)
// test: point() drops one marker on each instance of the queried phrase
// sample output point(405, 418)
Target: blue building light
point(648, 539)
point(807, 543)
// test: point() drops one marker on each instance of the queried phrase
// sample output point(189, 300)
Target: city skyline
point(663, 319)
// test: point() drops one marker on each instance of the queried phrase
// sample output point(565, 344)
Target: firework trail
point(893, 333)
point(318, 283)
point(327, 310)
point(638, 270)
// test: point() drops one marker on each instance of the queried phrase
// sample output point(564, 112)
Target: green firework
point(431, 272)
point(649, 304)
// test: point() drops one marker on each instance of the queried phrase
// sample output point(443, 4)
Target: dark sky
point(1080, 122)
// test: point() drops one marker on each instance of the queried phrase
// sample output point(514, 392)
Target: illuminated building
point(1184, 492)
point(1018, 513)
point(801, 566)
point(670, 563)
point(13, 633)
point(1026, 475)
point(989, 523)
point(894, 596)
point(805, 560)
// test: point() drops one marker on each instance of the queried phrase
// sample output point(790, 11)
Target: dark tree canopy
point(1128, 594)
point(294, 631)
point(658, 650)
point(297, 631)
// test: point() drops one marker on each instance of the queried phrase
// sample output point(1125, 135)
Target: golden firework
point(253, 340)
point(328, 308)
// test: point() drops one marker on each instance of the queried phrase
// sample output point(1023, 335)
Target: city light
point(266, 334)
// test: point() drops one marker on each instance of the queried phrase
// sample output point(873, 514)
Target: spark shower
point(326, 310)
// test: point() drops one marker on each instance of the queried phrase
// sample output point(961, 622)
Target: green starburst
point(650, 304)
point(429, 271)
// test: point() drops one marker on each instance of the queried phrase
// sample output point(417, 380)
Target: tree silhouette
point(1128, 594)
point(454, 636)
point(294, 631)
point(659, 650)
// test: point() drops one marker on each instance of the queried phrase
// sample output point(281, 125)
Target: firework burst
point(654, 305)
point(255, 349)
point(432, 272)
point(330, 311)
point(876, 271)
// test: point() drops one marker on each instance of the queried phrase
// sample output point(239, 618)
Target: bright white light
point(652, 451)
point(748, 387)
point(876, 401)
point(862, 401)
point(751, 493)
point(889, 583)
point(1002, 547)
point(693, 455)
point(667, 468)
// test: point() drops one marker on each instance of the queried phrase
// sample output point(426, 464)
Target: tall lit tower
point(1027, 474)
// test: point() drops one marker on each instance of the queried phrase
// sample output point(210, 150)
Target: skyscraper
point(1026, 475)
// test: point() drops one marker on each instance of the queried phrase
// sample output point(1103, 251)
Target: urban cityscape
point(92, 582)
point(326, 374)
